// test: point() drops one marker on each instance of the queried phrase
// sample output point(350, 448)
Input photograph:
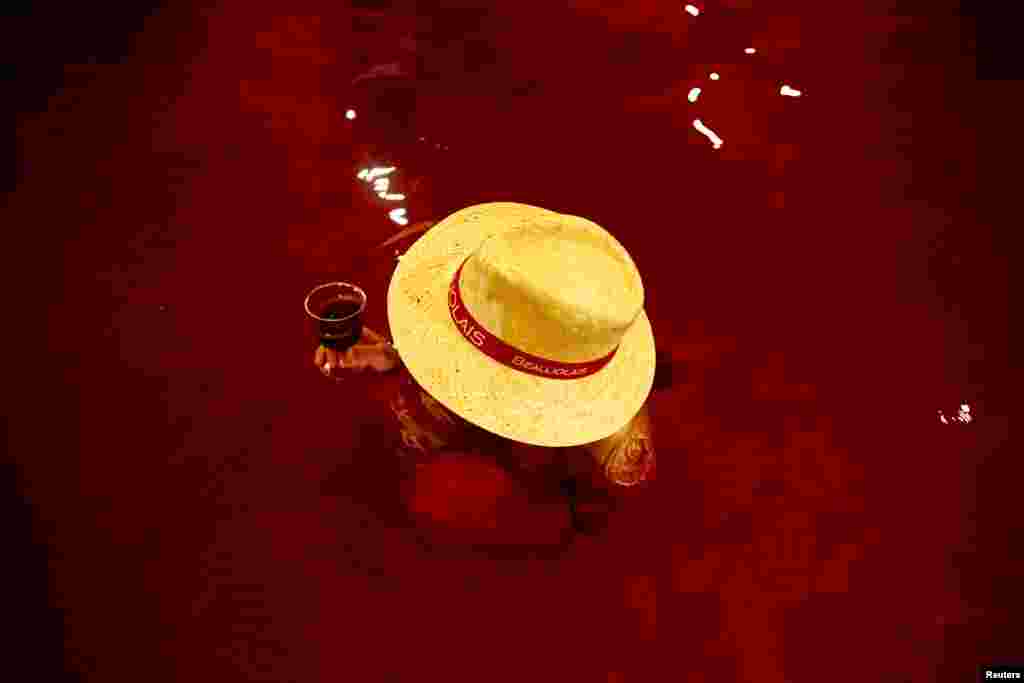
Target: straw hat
point(525, 322)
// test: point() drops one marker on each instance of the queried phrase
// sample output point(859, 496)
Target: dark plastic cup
point(337, 309)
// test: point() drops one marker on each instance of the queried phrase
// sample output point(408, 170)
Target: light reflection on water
point(716, 141)
point(398, 216)
point(963, 416)
point(709, 104)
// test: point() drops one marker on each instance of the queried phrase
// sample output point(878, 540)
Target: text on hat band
point(509, 355)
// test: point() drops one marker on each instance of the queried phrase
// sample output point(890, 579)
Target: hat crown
point(558, 287)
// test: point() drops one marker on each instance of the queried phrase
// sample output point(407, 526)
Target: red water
point(820, 286)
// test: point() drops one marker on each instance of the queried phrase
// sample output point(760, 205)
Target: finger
point(380, 360)
point(372, 335)
point(318, 357)
point(332, 358)
point(351, 361)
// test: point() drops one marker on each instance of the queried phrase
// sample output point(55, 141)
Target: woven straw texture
point(512, 404)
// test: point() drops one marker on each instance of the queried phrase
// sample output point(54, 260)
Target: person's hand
point(372, 352)
point(627, 457)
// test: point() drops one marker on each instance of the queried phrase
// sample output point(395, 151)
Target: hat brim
point(525, 408)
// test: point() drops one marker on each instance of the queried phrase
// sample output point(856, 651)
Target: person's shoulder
point(626, 457)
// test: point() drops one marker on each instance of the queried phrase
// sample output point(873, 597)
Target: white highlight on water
point(708, 133)
point(377, 171)
point(963, 416)
point(398, 216)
